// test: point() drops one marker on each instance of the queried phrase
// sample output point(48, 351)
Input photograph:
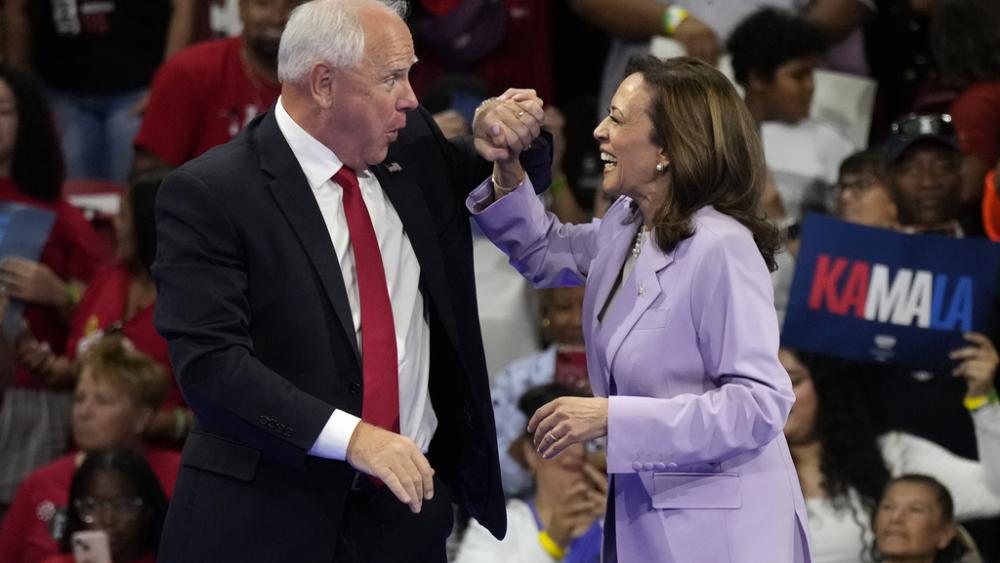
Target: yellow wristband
point(977, 402)
point(550, 546)
point(673, 17)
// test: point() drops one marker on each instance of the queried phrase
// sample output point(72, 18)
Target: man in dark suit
point(308, 273)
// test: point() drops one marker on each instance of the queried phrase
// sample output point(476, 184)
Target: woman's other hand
point(566, 421)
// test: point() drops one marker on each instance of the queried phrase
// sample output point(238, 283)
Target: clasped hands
point(505, 126)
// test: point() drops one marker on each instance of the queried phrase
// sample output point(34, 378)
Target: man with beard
point(204, 95)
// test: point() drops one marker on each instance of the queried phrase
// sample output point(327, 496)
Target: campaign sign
point(881, 296)
point(23, 232)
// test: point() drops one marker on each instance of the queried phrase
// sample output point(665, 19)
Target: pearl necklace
point(637, 247)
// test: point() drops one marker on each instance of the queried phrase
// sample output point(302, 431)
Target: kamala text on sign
point(921, 298)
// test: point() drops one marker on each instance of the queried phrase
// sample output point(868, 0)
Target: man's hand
point(32, 282)
point(395, 460)
point(698, 39)
point(505, 126)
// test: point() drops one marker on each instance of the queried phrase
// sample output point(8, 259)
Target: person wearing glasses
point(118, 492)
point(116, 397)
point(863, 195)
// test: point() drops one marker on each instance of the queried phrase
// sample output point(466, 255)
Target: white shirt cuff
point(335, 436)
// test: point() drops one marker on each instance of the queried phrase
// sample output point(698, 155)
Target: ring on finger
point(551, 437)
point(520, 113)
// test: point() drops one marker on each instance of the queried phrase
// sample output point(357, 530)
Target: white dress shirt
point(402, 272)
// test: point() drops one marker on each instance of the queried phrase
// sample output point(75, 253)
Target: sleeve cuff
point(335, 436)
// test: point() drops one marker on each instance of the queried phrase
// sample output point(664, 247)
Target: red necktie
point(380, 403)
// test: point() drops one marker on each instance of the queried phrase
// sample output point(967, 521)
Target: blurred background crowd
point(884, 113)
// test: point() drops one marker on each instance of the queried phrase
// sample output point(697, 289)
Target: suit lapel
point(636, 298)
point(406, 197)
point(291, 191)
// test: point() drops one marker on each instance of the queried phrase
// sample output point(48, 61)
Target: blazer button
point(636, 466)
point(672, 465)
point(659, 466)
point(355, 388)
point(647, 466)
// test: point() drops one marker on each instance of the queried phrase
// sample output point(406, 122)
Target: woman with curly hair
point(843, 465)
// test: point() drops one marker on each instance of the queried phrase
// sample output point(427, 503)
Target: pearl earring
point(660, 167)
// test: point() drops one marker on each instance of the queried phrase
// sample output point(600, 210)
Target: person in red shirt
point(121, 298)
point(117, 394)
point(204, 95)
point(116, 491)
point(33, 416)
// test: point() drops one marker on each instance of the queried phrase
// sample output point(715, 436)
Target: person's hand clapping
point(506, 125)
point(395, 460)
point(977, 364)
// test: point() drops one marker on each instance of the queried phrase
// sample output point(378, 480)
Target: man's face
point(788, 95)
point(370, 101)
point(926, 184)
point(263, 22)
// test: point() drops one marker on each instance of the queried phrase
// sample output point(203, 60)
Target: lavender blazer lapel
point(637, 298)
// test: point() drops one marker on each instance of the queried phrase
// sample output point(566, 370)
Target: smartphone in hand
point(91, 546)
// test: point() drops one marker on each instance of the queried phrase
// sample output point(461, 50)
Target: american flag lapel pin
point(393, 167)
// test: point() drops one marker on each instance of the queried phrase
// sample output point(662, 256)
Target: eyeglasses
point(857, 185)
point(912, 125)
point(122, 507)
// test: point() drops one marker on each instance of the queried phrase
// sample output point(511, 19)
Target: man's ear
point(322, 81)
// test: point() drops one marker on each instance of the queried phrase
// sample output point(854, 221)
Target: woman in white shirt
point(843, 466)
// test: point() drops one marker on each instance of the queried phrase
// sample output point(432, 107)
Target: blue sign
point(877, 295)
point(23, 232)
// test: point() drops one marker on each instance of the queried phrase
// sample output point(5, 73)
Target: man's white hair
point(326, 31)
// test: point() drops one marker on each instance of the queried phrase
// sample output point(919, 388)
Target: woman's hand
point(32, 282)
point(978, 364)
point(566, 421)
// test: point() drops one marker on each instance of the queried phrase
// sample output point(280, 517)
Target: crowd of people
point(196, 317)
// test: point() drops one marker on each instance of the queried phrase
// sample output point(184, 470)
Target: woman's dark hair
point(715, 152)
point(952, 552)
point(871, 161)
point(37, 165)
point(536, 397)
point(140, 477)
point(142, 198)
point(851, 457)
point(965, 40)
point(769, 38)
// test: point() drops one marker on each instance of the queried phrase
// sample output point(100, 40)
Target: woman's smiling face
point(627, 149)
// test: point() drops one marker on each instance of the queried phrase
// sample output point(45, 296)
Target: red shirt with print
point(202, 97)
point(102, 305)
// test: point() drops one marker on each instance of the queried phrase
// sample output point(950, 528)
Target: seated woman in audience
point(843, 465)
point(562, 520)
point(34, 414)
point(123, 296)
point(915, 523)
point(116, 491)
point(117, 394)
point(564, 361)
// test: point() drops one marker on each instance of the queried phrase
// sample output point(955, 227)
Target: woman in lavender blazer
point(679, 322)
